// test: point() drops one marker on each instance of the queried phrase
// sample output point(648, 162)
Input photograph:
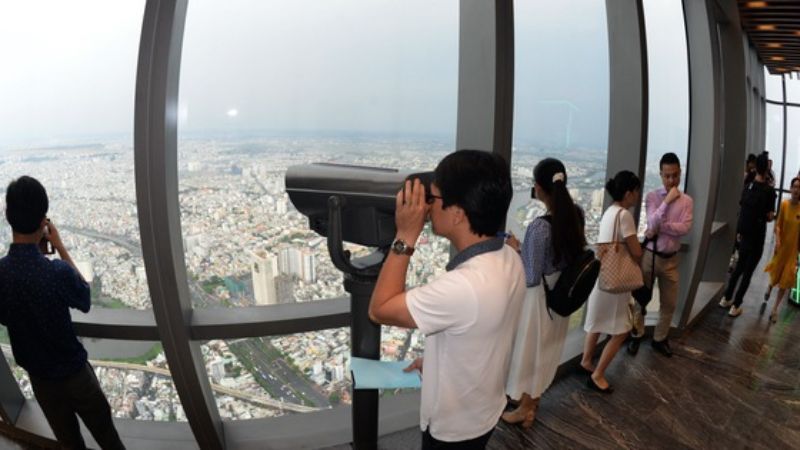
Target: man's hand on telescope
point(388, 303)
point(411, 211)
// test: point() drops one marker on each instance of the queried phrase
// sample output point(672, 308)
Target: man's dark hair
point(480, 183)
point(751, 158)
point(667, 159)
point(26, 204)
point(762, 163)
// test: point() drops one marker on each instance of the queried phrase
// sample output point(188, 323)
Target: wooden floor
point(733, 383)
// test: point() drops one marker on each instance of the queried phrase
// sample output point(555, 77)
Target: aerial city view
point(245, 245)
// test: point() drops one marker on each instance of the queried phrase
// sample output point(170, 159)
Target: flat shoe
point(593, 386)
point(584, 370)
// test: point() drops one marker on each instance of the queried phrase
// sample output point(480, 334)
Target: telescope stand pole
point(365, 342)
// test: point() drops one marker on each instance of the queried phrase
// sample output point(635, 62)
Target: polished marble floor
point(733, 383)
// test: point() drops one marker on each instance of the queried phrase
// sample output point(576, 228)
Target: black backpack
point(574, 285)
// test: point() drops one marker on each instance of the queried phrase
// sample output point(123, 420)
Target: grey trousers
point(62, 401)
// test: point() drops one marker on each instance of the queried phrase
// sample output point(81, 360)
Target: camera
point(45, 246)
point(366, 196)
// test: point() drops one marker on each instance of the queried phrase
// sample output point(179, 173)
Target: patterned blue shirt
point(35, 296)
point(537, 252)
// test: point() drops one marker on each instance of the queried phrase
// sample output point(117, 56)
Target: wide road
point(132, 247)
point(246, 396)
point(255, 399)
point(276, 372)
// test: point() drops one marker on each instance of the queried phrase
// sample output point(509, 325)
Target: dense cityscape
point(245, 245)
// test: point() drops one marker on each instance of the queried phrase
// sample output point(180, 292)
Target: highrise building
point(284, 288)
point(309, 272)
point(598, 195)
point(217, 369)
point(263, 269)
point(298, 263)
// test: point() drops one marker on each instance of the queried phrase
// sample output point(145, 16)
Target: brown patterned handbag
point(618, 271)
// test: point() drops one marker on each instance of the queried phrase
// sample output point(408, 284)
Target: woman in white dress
point(607, 313)
point(551, 242)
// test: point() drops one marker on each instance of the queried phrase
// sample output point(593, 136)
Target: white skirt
point(607, 313)
point(538, 344)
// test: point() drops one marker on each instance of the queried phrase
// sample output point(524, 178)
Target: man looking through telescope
point(468, 314)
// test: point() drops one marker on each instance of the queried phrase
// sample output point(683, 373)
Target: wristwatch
point(400, 247)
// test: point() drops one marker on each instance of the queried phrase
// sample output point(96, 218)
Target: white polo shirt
point(469, 316)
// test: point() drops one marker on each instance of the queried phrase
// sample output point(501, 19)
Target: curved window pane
point(773, 86)
point(561, 103)
point(774, 141)
point(134, 376)
point(668, 97)
point(68, 121)
point(668, 90)
point(560, 106)
point(792, 167)
point(267, 85)
point(793, 88)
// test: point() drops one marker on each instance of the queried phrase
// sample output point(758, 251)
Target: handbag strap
point(617, 224)
point(654, 239)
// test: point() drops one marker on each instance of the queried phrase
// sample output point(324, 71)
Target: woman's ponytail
point(567, 226)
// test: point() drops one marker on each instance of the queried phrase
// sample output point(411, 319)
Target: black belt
point(664, 255)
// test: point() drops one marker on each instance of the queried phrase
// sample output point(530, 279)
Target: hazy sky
point(377, 66)
point(68, 68)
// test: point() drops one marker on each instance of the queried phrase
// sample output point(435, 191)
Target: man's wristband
point(400, 247)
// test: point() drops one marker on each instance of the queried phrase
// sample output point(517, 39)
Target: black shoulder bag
point(644, 294)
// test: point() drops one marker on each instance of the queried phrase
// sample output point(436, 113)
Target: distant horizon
point(100, 139)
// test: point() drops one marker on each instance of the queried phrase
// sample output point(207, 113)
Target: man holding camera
point(468, 314)
point(35, 296)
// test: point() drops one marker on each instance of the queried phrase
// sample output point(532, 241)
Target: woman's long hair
point(567, 221)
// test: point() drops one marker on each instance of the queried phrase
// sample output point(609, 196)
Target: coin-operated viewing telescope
point(366, 195)
point(354, 204)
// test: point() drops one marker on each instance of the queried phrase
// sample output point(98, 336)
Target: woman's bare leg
point(774, 316)
point(589, 345)
point(610, 350)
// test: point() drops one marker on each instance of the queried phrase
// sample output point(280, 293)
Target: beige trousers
point(667, 276)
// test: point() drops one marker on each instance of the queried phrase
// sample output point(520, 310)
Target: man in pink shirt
point(669, 217)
